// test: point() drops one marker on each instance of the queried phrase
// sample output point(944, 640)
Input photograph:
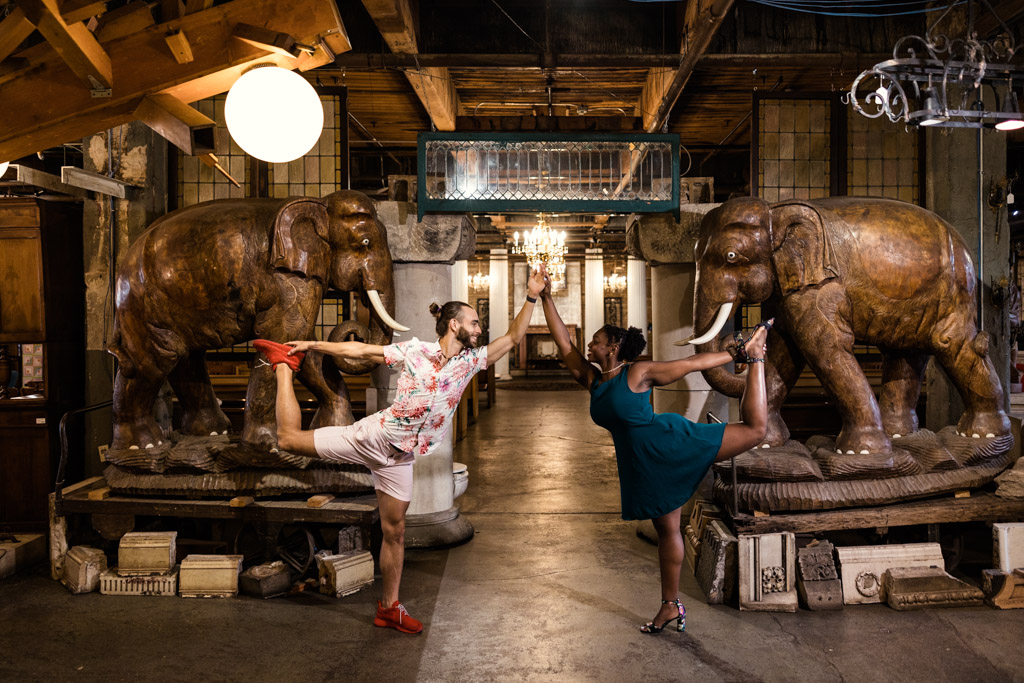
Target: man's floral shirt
point(428, 392)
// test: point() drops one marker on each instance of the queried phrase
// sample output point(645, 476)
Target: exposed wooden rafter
point(75, 43)
point(433, 85)
point(46, 105)
point(14, 29)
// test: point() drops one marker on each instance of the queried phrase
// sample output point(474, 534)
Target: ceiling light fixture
point(945, 76)
point(274, 114)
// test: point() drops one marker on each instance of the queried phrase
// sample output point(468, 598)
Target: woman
point(661, 457)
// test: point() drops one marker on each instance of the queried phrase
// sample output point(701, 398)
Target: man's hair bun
point(435, 310)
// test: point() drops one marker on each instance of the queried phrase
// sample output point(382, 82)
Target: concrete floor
point(552, 588)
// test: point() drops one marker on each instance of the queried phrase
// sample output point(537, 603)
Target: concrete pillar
point(423, 252)
point(952, 191)
point(672, 320)
point(460, 281)
point(593, 291)
point(636, 294)
point(138, 156)
point(499, 313)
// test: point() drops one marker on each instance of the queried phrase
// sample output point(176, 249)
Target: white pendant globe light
point(3, 167)
point(273, 114)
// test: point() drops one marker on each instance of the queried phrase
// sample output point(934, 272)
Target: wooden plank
point(134, 17)
point(180, 47)
point(25, 175)
point(241, 501)
point(86, 484)
point(99, 494)
point(319, 500)
point(14, 29)
point(265, 39)
point(45, 105)
point(74, 43)
point(186, 128)
point(982, 507)
point(193, 6)
point(73, 11)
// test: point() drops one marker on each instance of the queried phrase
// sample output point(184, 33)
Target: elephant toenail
point(224, 432)
point(975, 436)
point(149, 445)
point(839, 451)
point(213, 433)
point(274, 450)
point(897, 436)
point(990, 436)
point(133, 448)
point(159, 443)
point(864, 452)
point(766, 445)
point(849, 452)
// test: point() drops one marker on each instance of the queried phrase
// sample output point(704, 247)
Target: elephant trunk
point(379, 332)
point(708, 318)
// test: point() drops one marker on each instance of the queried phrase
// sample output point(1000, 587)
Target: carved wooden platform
point(263, 482)
point(814, 477)
point(980, 507)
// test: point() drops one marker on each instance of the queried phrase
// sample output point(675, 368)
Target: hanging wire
point(888, 9)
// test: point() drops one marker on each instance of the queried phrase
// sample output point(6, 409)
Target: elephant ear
point(803, 255)
point(300, 238)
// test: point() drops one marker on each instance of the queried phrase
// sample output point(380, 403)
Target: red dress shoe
point(278, 353)
point(396, 617)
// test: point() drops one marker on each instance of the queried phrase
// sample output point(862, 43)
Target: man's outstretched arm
point(352, 350)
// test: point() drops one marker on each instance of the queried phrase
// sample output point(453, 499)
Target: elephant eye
point(366, 241)
point(731, 255)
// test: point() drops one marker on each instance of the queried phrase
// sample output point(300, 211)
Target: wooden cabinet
point(42, 301)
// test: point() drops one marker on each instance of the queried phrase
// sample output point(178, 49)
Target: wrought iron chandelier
point(939, 81)
point(542, 245)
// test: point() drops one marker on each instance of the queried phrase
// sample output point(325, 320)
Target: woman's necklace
point(605, 372)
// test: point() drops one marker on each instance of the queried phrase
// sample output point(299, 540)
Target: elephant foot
point(137, 436)
point(897, 427)
point(862, 441)
point(983, 425)
point(776, 434)
point(210, 422)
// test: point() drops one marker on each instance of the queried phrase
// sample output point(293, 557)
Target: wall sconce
point(274, 114)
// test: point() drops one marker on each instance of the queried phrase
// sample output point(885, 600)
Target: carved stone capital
point(435, 239)
point(658, 238)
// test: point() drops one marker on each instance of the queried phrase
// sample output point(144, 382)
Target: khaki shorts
point(364, 443)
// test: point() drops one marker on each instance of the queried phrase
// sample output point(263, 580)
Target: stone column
point(593, 291)
point(499, 314)
point(952, 192)
point(636, 295)
point(423, 253)
point(460, 281)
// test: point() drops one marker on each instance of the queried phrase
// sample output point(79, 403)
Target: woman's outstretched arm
point(581, 370)
point(660, 373)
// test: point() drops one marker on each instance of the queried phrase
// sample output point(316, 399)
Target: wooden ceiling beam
point(46, 106)
point(134, 17)
point(74, 11)
point(14, 29)
point(75, 44)
point(433, 84)
point(186, 128)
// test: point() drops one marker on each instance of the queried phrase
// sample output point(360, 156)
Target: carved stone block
point(146, 552)
point(702, 513)
point(716, 568)
point(210, 576)
point(82, 568)
point(266, 580)
point(861, 567)
point(345, 573)
point(351, 538)
point(112, 583)
point(1003, 590)
point(691, 547)
point(817, 581)
point(435, 239)
point(908, 588)
point(1008, 546)
point(25, 550)
point(767, 566)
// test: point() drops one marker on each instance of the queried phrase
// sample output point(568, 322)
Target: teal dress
point(661, 457)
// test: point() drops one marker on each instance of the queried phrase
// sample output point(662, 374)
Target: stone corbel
point(435, 239)
point(659, 239)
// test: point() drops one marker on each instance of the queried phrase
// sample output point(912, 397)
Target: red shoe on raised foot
point(396, 617)
point(278, 353)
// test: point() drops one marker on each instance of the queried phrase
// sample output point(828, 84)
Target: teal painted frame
point(425, 204)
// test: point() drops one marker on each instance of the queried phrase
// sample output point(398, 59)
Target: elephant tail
point(980, 344)
point(126, 365)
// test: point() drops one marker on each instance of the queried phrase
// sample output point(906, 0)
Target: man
point(433, 377)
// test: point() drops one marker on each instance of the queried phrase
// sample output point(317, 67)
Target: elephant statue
point(227, 271)
point(842, 270)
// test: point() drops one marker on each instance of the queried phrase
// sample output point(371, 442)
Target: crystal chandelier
point(939, 81)
point(615, 283)
point(543, 246)
point(480, 281)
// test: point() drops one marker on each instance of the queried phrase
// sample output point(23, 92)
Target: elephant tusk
point(716, 327)
point(382, 313)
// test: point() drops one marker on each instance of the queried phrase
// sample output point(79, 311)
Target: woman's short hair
point(443, 314)
point(631, 342)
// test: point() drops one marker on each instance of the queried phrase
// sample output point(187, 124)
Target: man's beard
point(465, 338)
